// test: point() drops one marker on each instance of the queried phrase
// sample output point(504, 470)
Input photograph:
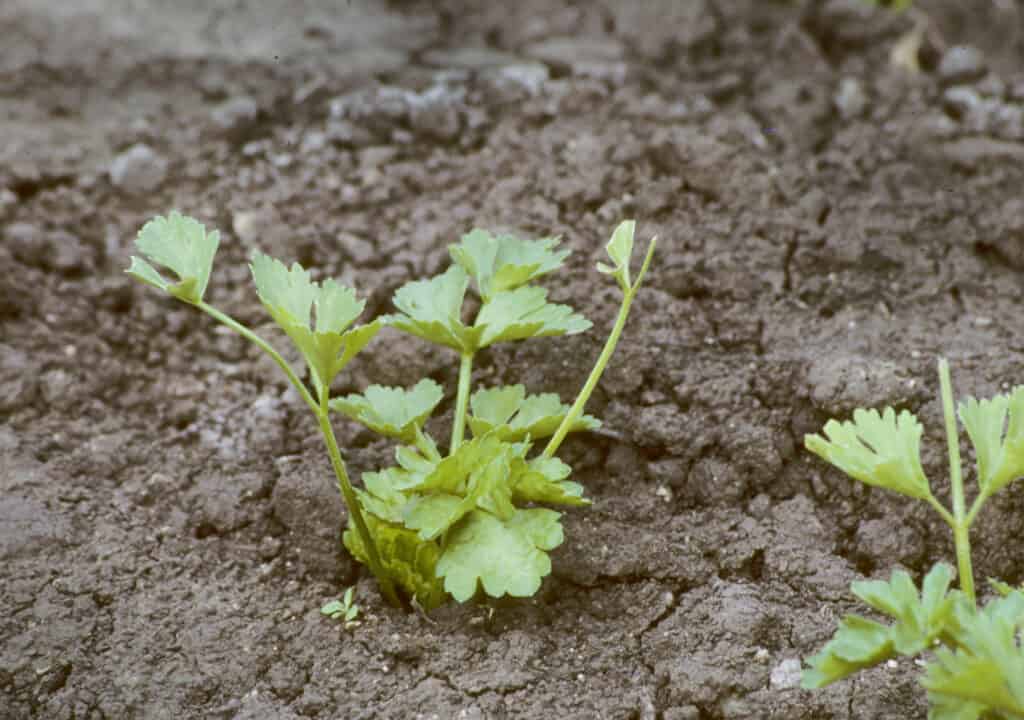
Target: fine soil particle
point(829, 223)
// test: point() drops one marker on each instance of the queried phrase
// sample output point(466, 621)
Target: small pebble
point(961, 64)
point(138, 170)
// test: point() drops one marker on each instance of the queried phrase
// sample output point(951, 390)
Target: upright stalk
point(961, 526)
point(321, 411)
point(461, 401)
point(595, 375)
point(354, 509)
point(628, 293)
point(266, 347)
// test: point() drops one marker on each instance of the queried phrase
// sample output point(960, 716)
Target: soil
point(829, 222)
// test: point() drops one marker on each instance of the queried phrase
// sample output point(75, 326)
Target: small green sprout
point(977, 670)
point(345, 609)
point(434, 525)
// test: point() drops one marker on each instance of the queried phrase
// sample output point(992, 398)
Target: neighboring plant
point(977, 670)
point(344, 610)
point(435, 524)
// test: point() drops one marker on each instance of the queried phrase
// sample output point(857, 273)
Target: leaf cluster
point(977, 670)
point(433, 524)
point(976, 663)
point(344, 610)
point(501, 268)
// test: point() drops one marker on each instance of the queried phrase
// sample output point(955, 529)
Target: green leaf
point(920, 621)
point(408, 561)
point(880, 450)
point(986, 671)
point(452, 474)
point(506, 557)
point(432, 310)
point(182, 245)
point(333, 608)
point(390, 411)
point(383, 494)
point(476, 477)
point(510, 414)
point(858, 643)
point(500, 263)
point(525, 313)
point(544, 482)
point(1000, 459)
point(620, 250)
point(290, 297)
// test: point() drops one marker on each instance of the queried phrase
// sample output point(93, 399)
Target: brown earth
point(829, 224)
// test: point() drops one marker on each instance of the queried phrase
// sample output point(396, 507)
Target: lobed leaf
point(985, 673)
point(620, 250)
point(500, 263)
point(290, 297)
point(505, 557)
point(525, 313)
point(545, 482)
point(432, 310)
point(1000, 458)
point(920, 620)
point(479, 476)
point(880, 450)
point(512, 415)
point(183, 246)
point(391, 411)
point(858, 643)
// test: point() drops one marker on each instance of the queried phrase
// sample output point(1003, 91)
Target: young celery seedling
point(434, 525)
point(977, 670)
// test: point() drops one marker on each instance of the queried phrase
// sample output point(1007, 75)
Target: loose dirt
point(830, 223)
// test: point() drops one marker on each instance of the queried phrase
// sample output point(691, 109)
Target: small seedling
point(344, 610)
point(977, 666)
point(436, 524)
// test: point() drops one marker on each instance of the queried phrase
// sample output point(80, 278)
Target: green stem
point(320, 410)
point(961, 532)
point(602, 361)
point(354, 509)
point(266, 347)
point(461, 401)
point(946, 515)
point(975, 508)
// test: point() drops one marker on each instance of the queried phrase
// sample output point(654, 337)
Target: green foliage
point(513, 415)
point(511, 309)
point(919, 621)
point(1000, 459)
point(345, 609)
point(977, 670)
point(981, 673)
point(182, 245)
point(432, 310)
point(432, 525)
point(881, 450)
point(500, 263)
point(289, 295)
point(897, 5)
point(393, 412)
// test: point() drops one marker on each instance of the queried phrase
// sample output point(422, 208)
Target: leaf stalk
point(629, 292)
point(320, 410)
point(961, 521)
point(461, 401)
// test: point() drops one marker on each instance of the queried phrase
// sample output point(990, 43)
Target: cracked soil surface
point(829, 222)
